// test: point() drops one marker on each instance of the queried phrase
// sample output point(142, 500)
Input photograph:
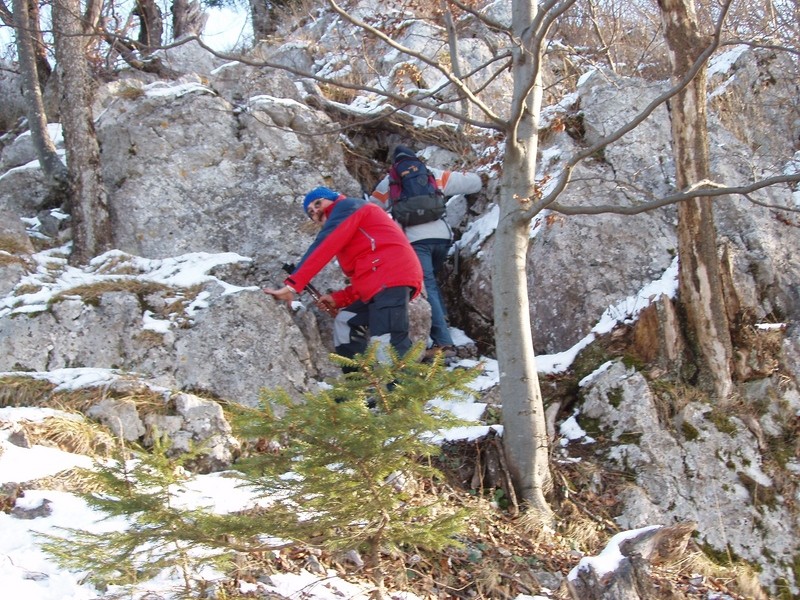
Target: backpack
point(412, 189)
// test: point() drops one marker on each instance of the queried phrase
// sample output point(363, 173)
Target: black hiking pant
point(383, 318)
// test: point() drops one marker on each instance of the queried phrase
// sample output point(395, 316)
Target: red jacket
point(371, 249)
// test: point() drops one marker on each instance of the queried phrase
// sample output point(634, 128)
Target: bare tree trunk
point(524, 428)
point(55, 172)
point(43, 67)
point(188, 18)
point(605, 47)
point(261, 17)
point(88, 203)
point(700, 283)
point(455, 61)
point(151, 23)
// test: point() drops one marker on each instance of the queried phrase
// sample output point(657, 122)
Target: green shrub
point(330, 475)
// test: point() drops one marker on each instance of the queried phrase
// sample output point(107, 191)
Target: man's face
point(316, 210)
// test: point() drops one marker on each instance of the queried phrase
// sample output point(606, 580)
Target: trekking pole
point(312, 291)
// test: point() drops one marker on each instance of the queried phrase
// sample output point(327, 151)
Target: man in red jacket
point(374, 253)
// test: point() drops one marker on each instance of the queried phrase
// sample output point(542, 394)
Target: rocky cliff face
point(218, 161)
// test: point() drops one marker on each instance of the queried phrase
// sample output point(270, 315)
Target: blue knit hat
point(316, 194)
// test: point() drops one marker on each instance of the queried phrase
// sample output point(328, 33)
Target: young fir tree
point(344, 452)
point(148, 531)
point(330, 480)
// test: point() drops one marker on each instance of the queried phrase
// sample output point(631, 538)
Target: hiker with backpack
point(416, 195)
point(375, 255)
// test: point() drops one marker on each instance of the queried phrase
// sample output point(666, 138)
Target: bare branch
point(604, 45)
point(566, 174)
point(537, 34)
point(5, 14)
point(703, 189)
point(490, 23)
point(91, 16)
point(455, 60)
point(752, 44)
point(128, 50)
point(455, 81)
point(398, 98)
point(446, 135)
point(506, 57)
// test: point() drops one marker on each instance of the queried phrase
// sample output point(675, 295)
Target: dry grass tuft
point(91, 293)
point(147, 401)
point(335, 93)
point(24, 391)
point(740, 578)
point(76, 400)
point(7, 259)
point(536, 526)
point(671, 398)
point(75, 481)
point(13, 245)
point(584, 533)
point(130, 92)
point(75, 435)
point(180, 301)
point(27, 288)
point(118, 264)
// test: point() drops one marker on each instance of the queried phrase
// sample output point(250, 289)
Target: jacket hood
point(404, 151)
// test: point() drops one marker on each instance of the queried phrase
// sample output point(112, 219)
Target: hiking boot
point(445, 351)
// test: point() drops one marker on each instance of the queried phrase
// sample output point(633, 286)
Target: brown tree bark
point(43, 67)
point(88, 201)
point(261, 17)
point(55, 172)
point(630, 579)
point(151, 24)
point(700, 284)
point(188, 18)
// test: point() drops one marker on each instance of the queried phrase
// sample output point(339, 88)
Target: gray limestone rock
point(245, 343)
point(689, 469)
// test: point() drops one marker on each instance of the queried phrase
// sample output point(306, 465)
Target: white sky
point(225, 28)
point(25, 572)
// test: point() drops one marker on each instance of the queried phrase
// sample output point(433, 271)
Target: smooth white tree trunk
point(524, 428)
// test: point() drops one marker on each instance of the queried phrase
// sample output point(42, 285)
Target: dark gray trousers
point(384, 317)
